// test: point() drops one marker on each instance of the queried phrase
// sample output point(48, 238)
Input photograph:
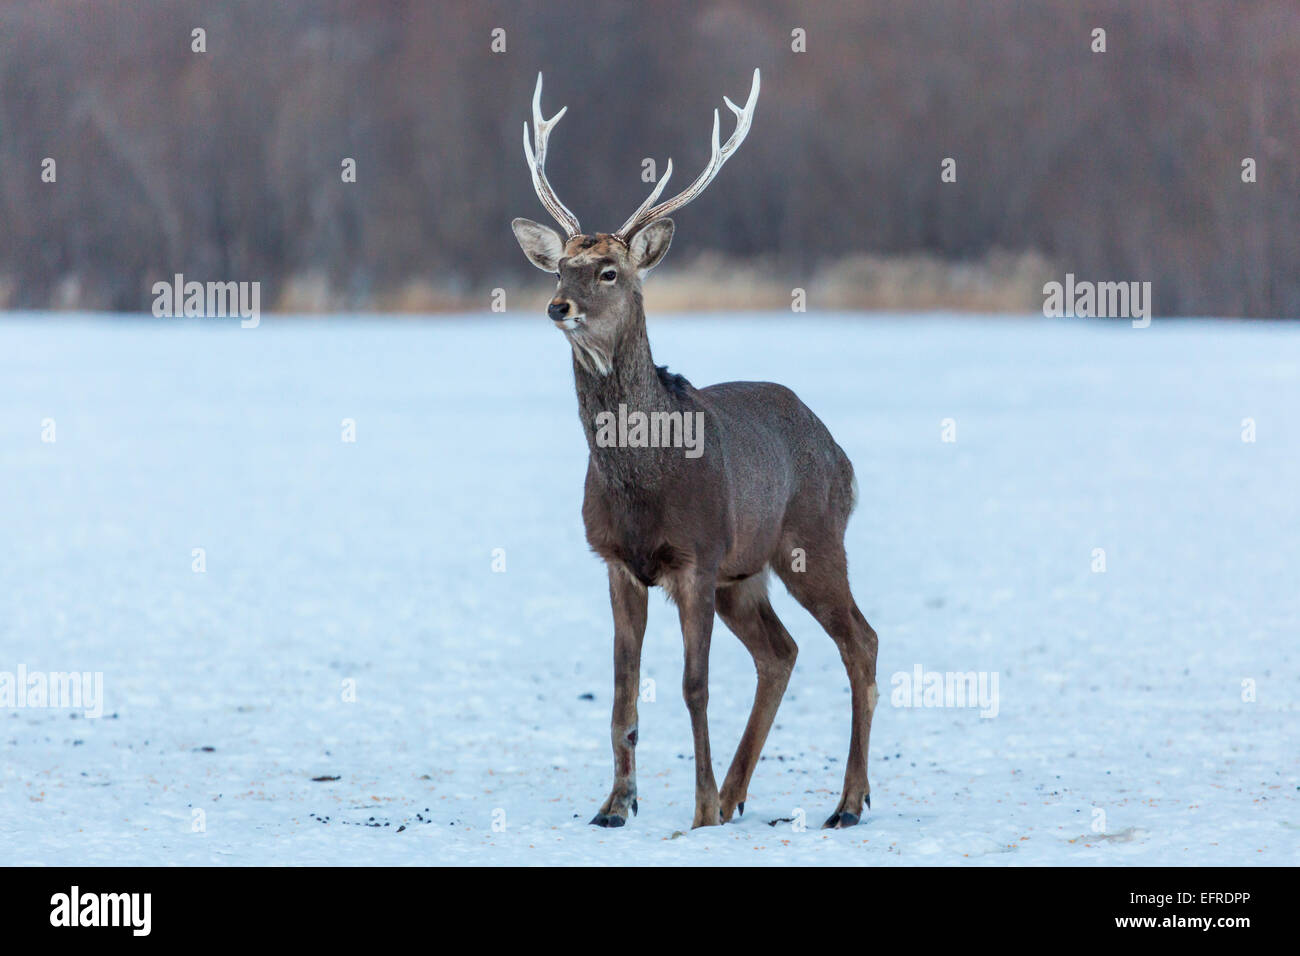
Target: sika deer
point(771, 489)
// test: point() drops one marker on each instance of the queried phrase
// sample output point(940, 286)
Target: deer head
point(598, 299)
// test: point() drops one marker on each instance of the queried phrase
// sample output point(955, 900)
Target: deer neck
point(633, 383)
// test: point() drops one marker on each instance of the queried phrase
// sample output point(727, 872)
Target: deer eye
point(609, 275)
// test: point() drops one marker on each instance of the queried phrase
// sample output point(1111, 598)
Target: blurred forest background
point(225, 165)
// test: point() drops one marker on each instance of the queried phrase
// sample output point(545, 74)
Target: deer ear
point(650, 245)
point(542, 245)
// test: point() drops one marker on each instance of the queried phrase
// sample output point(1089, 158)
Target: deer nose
point(558, 309)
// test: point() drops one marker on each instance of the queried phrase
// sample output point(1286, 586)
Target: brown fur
point(771, 483)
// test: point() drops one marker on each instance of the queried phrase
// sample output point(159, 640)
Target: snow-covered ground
point(1146, 714)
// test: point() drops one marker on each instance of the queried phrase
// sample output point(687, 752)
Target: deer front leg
point(695, 605)
point(627, 597)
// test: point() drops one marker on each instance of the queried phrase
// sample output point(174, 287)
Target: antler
point(536, 154)
point(646, 215)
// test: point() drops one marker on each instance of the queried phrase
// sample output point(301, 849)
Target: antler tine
point(626, 229)
point(719, 155)
point(536, 153)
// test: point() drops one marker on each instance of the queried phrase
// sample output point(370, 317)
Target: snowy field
point(350, 625)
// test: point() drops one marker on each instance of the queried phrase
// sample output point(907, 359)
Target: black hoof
point(841, 820)
point(868, 801)
point(634, 807)
point(740, 808)
point(606, 820)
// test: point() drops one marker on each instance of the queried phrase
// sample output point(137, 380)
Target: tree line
point(228, 163)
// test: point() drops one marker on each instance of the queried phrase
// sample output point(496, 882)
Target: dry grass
point(997, 282)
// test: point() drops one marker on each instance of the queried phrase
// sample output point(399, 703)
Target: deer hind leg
point(823, 588)
point(628, 599)
point(745, 609)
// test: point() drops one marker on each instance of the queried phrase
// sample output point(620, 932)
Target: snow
point(1146, 714)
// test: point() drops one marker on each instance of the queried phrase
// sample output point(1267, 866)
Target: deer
point(771, 491)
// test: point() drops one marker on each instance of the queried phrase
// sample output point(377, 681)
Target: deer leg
point(694, 593)
point(745, 609)
point(628, 599)
point(857, 643)
point(824, 591)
